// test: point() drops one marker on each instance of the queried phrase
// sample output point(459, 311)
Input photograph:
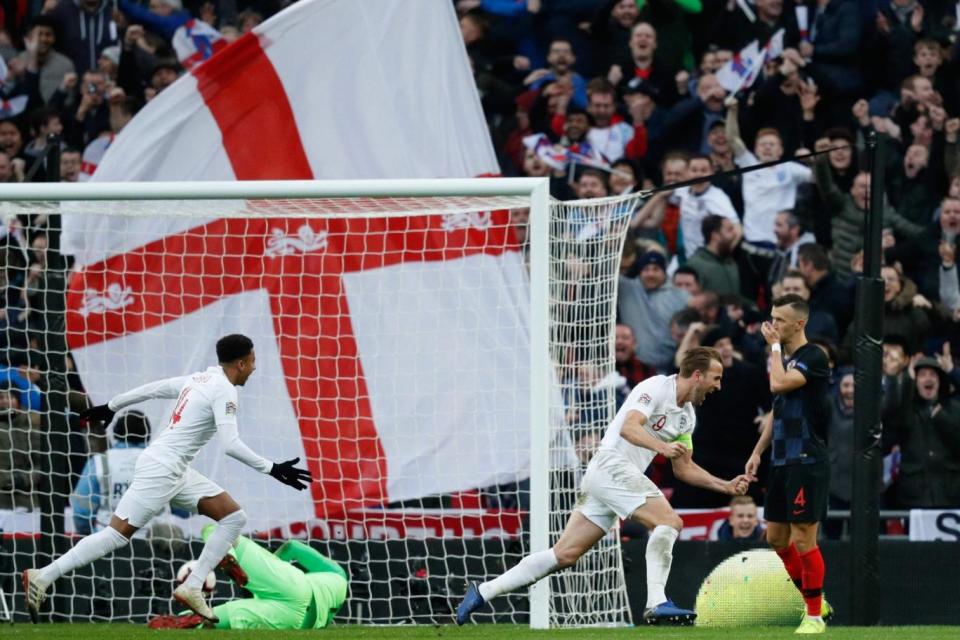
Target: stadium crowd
point(630, 91)
point(630, 95)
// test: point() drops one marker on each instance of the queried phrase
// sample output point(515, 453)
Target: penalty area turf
point(124, 631)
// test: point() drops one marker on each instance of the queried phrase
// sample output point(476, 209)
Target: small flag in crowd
point(13, 107)
point(742, 69)
point(803, 22)
point(558, 156)
point(195, 42)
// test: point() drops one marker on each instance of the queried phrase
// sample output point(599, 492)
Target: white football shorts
point(613, 488)
point(154, 486)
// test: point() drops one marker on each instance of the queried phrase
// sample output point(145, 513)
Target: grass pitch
point(473, 632)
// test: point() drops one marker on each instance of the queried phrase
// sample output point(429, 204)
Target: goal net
point(438, 353)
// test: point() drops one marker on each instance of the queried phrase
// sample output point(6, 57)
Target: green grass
point(475, 632)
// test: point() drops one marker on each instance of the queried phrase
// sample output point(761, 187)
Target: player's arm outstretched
point(683, 465)
point(166, 389)
point(688, 471)
point(225, 415)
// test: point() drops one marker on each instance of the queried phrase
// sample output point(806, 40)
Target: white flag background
point(424, 395)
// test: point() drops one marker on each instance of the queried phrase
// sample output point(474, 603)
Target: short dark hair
point(689, 270)
point(233, 347)
point(42, 21)
point(792, 219)
point(815, 255)
point(792, 273)
point(793, 301)
point(577, 111)
point(897, 340)
point(699, 156)
point(685, 317)
point(840, 133)
point(710, 225)
point(132, 427)
point(698, 359)
point(600, 86)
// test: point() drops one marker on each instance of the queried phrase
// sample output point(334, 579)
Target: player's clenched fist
point(672, 450)
point(739, 485)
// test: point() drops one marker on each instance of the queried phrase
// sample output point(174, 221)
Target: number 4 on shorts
point(799, 499)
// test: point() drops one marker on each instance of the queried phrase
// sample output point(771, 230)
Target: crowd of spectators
point(633, 85)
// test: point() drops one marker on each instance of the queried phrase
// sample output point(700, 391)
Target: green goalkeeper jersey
point(284, 596)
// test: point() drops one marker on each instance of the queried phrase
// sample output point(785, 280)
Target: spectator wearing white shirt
point(700, 200)
point(609, 134)
point(769, 191)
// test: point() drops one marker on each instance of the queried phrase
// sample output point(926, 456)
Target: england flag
point(327, 89)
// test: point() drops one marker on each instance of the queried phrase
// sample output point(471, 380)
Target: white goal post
point(379, 199)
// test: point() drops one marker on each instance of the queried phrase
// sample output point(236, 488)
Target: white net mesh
point(586, 241)
point(393, 357)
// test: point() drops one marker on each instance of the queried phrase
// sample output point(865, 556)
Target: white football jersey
point(205, 400)
point(655, 398)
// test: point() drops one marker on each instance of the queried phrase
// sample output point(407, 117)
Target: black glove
point(289, 475)
point(99, 412)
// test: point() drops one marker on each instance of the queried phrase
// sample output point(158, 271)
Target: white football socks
point(217, 546)
point(527, 571)
point(659, 558)
point(91, 548)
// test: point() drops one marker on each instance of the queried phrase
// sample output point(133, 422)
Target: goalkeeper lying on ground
point(284, 597)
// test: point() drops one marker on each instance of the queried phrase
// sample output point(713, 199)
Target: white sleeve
point(949, 287)
point(234, 447)
point(225, 415)
point(745, 159)
point(646, 397)
point(801, 173)
point(723, 206)
point(163, 389)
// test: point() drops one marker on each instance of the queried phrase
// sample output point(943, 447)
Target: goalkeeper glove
point(290, 475)
point(100, 412)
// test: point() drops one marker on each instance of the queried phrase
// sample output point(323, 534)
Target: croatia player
point(657, 417)
point(206, 404)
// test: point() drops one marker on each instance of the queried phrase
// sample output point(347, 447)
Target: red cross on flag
point(325, 89)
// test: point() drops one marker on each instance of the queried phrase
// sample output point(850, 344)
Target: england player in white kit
point(206, 405)
point(656, 418)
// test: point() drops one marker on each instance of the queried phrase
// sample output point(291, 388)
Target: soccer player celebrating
point(284, 597)
point(657, 417)
point(206, 404)
point(800, 472)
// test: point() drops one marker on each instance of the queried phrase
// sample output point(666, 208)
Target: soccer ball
point(187, 568)
point(747, 589)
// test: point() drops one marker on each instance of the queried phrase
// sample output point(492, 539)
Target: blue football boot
point(472, 600)
point(668, 612)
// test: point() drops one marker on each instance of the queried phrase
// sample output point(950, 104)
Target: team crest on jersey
point(644, 398)
point(683, 422)
point(231, 409)
point(791, 364)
